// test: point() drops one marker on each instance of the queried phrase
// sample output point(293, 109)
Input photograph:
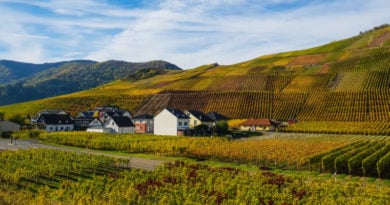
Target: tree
point(18, 119)
point(221, 128)
point(2, 116)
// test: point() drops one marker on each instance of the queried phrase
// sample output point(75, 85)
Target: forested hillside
point(66, 77)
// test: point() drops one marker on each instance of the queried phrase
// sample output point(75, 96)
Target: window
point(185, 124)
point(195, 122)
point(180, 123)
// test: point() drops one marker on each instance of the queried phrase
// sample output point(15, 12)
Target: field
point(40, 176)
point(328, 153)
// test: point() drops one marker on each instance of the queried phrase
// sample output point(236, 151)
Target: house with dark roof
point(263, 124)
point(143, 123)
point(171, 122)
point(119, 124)
point(83, 119)
point(55, 122)
point(198, 118)
point(35, 117)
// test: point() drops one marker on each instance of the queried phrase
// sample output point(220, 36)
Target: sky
point(188, 33)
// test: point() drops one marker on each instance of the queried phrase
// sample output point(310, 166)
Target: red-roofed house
point(263, 124)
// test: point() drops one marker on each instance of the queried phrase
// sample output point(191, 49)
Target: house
point(119, 112)
point(119, 124)
point(55, 122)
point(263, 124)
point(216, 116)
point(143, 123)
point(83, 119)
point(35, 118)
point(105, 112)
point(8, 126)
point(95, 126)
point(171, 122)
point(198, 118)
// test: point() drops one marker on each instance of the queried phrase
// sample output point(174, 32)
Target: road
point(135, 162)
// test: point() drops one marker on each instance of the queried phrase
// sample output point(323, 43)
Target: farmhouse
point(55, 122)
point(119, 124)
point(143, 123)
point(198, 118)
point(83, 119)
point(171, 122)
point(105, 112)
point(263, 124)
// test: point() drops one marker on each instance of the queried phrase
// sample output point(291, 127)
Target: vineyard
point(365, 158)
point(346, 81)
point(68, 178)
point(298, 152)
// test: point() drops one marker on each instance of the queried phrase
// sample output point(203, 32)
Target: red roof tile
point(258, 122)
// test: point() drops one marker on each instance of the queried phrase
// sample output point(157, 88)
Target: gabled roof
point(257, 122)
point(178, 113)
point(144, 116)
point(56, 119)
point(119, 112)
point(200, 115)
point(216, 116)
point(122, 121)
point(86, 114)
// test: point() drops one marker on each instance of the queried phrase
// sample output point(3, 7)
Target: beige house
point(263, 124)
point(198, 118)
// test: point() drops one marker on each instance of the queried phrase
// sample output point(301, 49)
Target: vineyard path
point(135, 162)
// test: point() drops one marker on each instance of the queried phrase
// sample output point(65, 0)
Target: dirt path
point(138, 163)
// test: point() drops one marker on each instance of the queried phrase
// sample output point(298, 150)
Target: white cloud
point(186, 32)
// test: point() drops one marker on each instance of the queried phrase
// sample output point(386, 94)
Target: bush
point(6, 134)
point(27, 134)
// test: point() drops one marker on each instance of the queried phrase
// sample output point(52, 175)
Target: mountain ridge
point(52, 79)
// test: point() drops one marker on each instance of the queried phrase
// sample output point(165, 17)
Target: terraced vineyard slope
point(340, 87)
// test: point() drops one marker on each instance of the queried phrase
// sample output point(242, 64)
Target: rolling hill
point(340, 87)
point(25, 81)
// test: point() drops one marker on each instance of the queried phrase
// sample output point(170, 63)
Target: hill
point(11, 71)
point(340, 87)
point(27, 81)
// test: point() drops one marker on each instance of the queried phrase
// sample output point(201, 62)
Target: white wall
point(125, 130)
point(59, 128)
point(111, 124)
point(100, 130)
point(165, 123)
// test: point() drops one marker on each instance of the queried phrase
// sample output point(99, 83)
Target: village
point(113, 119)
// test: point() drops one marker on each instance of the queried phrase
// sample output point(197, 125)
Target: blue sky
point(188, 33)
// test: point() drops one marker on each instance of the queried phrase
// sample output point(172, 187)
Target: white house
point(171, 122)
point(119, 124)
point(55, 122)
point(95, 126)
